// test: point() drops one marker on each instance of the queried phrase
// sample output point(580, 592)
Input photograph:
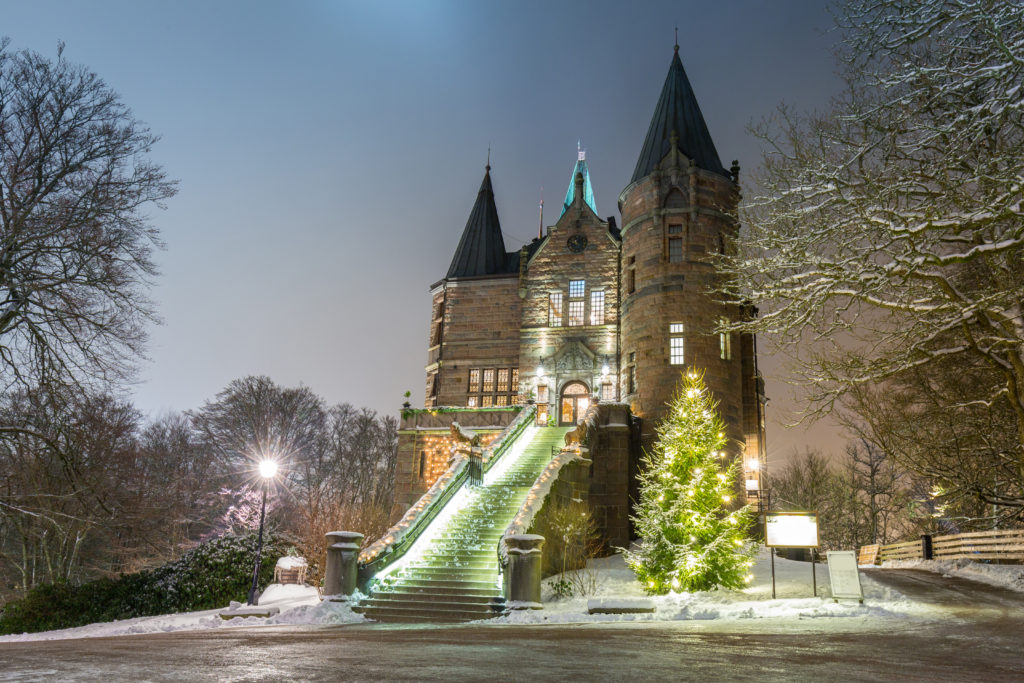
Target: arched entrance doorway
point(574, 401)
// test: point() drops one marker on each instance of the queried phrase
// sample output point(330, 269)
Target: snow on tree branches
point(890, 229)
point(692, 534)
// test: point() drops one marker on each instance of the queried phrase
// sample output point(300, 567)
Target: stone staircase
point(456, 578)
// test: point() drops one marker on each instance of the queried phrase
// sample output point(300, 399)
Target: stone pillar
point(523, 581)
point(342, 568)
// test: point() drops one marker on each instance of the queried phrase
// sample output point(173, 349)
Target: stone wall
point(475, 325)
point(570, 352)
point(678, 200)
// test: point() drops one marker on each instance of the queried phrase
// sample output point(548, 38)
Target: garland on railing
point(430, 503)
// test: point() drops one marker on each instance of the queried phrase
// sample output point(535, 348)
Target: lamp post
point(268, 468)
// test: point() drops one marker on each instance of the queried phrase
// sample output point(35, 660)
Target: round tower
point(678, 213)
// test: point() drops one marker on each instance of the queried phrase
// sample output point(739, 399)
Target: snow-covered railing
point(536, 496)
point(397, 540)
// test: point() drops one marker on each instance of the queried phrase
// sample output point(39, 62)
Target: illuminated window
point(555, 309)
point(725, 343)
point(575, 313)
point(675, 244)
point(597, 307)
point(607, 394)
point(492, 387)
point(577, 288)
point(542, 394)
point(675, 344)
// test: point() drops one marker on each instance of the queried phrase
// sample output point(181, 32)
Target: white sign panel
point(791, 530)
point(843, 574)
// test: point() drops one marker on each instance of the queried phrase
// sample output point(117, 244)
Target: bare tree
point(890, 229)
point(75, 241)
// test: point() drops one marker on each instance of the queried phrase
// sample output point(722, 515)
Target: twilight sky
point(329, 153)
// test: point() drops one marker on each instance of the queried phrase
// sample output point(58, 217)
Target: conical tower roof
point(678, 116)
point(481, 250)
point(588, 190)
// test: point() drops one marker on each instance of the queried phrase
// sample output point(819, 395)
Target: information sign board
point(843, 574)
point(791, 530)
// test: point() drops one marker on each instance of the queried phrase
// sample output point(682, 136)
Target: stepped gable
point(678, 116)
point(481, 250)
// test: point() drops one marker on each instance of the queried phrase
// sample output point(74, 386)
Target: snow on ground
point(1003, 575)
point(614, 581)
point(298, 605)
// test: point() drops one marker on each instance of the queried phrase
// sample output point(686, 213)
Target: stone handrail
point(536, 496)
point(397, 540)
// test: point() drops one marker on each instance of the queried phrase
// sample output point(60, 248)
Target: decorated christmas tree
point(692, 531)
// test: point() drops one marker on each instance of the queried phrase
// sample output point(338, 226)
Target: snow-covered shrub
point(208, 576)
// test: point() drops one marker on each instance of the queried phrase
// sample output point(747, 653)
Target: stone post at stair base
point(524, 554)
point(342, 568)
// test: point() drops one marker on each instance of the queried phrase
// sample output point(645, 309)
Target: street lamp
point(268, 468)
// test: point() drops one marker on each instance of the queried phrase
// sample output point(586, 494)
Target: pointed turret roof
point(588, 191)
point(481, 250)
point(678, 116)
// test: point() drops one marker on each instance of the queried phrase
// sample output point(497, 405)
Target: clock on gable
point(576, 243)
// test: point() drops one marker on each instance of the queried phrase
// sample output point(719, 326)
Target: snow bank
point(298, 605)
point(1009, 576)
point(614, 581)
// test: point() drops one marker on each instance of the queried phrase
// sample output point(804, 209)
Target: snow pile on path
point(793, 586)
point(1003, 575)
point(298, 605)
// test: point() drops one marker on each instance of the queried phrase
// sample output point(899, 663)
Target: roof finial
point(677, 38)
point(581, 154)
point(488, 167)
point(540, 226)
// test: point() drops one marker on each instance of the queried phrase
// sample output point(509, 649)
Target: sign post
point(844, 575)
point(792, 530)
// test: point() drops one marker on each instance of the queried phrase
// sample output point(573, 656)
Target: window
point(542, 394)
point(575, 313)
point(597, 307)
point(725, 343)
point(631, 281)
point(555, 309)
point(577, 288)
point(492, 387)
point(675, 344)
point(675, 244)
point(606, 392)
point(631, 373)
point(421, 468)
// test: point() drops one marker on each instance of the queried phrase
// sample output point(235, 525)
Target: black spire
point(677, 118)
point(481, 250)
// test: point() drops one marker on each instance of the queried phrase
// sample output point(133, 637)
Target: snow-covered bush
point(210, 575)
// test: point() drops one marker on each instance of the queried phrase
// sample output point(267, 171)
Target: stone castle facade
point(591, 311)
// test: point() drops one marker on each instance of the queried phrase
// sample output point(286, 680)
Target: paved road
point(981, 639)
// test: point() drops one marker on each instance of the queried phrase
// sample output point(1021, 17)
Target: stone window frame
point(724, 343)
point(631, 274)
point(597, 304)
point(631, 374)
point(499, 394)
point(676, 344)
point(675, 250)
point(576, 313)
point(555, 309)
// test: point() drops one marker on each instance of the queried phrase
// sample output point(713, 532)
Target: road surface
point(981, 638)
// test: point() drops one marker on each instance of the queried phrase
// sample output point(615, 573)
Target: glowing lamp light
point(604, 370)
point(753, 465)
point(268, 468)
point(540, 371)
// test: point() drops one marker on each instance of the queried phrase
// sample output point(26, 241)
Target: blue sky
point(329, 153)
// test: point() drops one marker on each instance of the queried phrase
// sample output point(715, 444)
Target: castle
point(592, 311)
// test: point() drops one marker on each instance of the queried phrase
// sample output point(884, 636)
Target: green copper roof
point(677, 116)
point(588, 191)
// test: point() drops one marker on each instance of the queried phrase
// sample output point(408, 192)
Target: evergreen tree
point(693, 535)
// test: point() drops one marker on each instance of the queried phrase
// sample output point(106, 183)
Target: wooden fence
point(1004, 545)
